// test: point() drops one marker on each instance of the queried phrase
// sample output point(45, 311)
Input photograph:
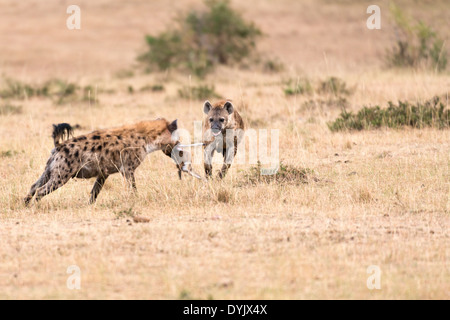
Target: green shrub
point(8, 154)
point(164, 50)
point(300, 86)
point(418, 45)
point(273, 65)
point(330, 86)
point(14, 89)
point(332, 102)
point(334, 86)
point(202, 40)
point(152, 88)
point(432, 113)
point(124, 73)
point(60, 91)
point(200, 92)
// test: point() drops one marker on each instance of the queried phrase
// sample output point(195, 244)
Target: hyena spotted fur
point(223, 130)
point(104, 152)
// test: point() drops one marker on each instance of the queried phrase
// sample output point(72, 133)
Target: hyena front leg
point(53, 184)
point(38, 184)
point(98, 185)
point(228, 156)
point(131, 179)
point(208, 155)
point(128, 174)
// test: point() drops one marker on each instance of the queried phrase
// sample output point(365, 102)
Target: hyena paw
point(27, 200)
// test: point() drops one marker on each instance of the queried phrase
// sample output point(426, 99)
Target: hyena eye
point(222, 119)
point(211, 119)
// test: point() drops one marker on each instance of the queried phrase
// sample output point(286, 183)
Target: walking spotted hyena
point(223, 131)
point(104, 152)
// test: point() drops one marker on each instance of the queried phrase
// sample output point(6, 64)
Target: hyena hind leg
point(128, 174)
point(38, 184)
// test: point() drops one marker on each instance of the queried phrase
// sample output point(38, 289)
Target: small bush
point(164, 51)
point(8, 154)
point(334, 86)
point(418, 45)
point(273, 66)
point(331, 86)
point(152, 88)
point(123, 74)
point(200, 92)
point(60, 91)
point(286, 174)
point(202, 40)
point(432, 113)
point(13, 89)
point(125, 213)
point(301, 86)
point(333, 102)
point(7, 109)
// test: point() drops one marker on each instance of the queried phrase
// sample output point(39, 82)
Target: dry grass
point(380, 197)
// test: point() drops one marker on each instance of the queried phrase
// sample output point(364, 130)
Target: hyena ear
point(173, 126)
point(207, 106)
point(229, 107)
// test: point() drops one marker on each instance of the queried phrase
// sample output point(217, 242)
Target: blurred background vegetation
point(202, 40)
point(311, 50)
point(219, 35)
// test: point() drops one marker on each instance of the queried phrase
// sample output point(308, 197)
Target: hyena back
point(102, 153)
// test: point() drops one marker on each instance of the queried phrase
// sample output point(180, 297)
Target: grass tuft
point(286, 174)
point(224, 196)
point(8, 109)
point(200, 92)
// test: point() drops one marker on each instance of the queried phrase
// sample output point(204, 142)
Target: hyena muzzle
point(104, 152)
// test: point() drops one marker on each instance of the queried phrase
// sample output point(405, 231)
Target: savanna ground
point(379, 197)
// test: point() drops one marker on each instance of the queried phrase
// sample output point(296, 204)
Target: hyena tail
point(61, 132)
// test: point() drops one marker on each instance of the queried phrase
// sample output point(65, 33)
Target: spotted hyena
point(223, 131)
point(104, 152)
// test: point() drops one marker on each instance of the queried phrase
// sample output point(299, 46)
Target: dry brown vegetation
point(377, 197)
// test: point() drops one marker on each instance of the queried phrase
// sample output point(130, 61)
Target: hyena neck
point(151, 147)
point(231, 122)
point(152, 132)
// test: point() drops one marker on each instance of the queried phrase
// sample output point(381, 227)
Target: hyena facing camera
point(223, 131)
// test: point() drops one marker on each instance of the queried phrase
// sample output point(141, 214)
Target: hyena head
point(168, 137)
point(169, 141)
point(217, 115)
